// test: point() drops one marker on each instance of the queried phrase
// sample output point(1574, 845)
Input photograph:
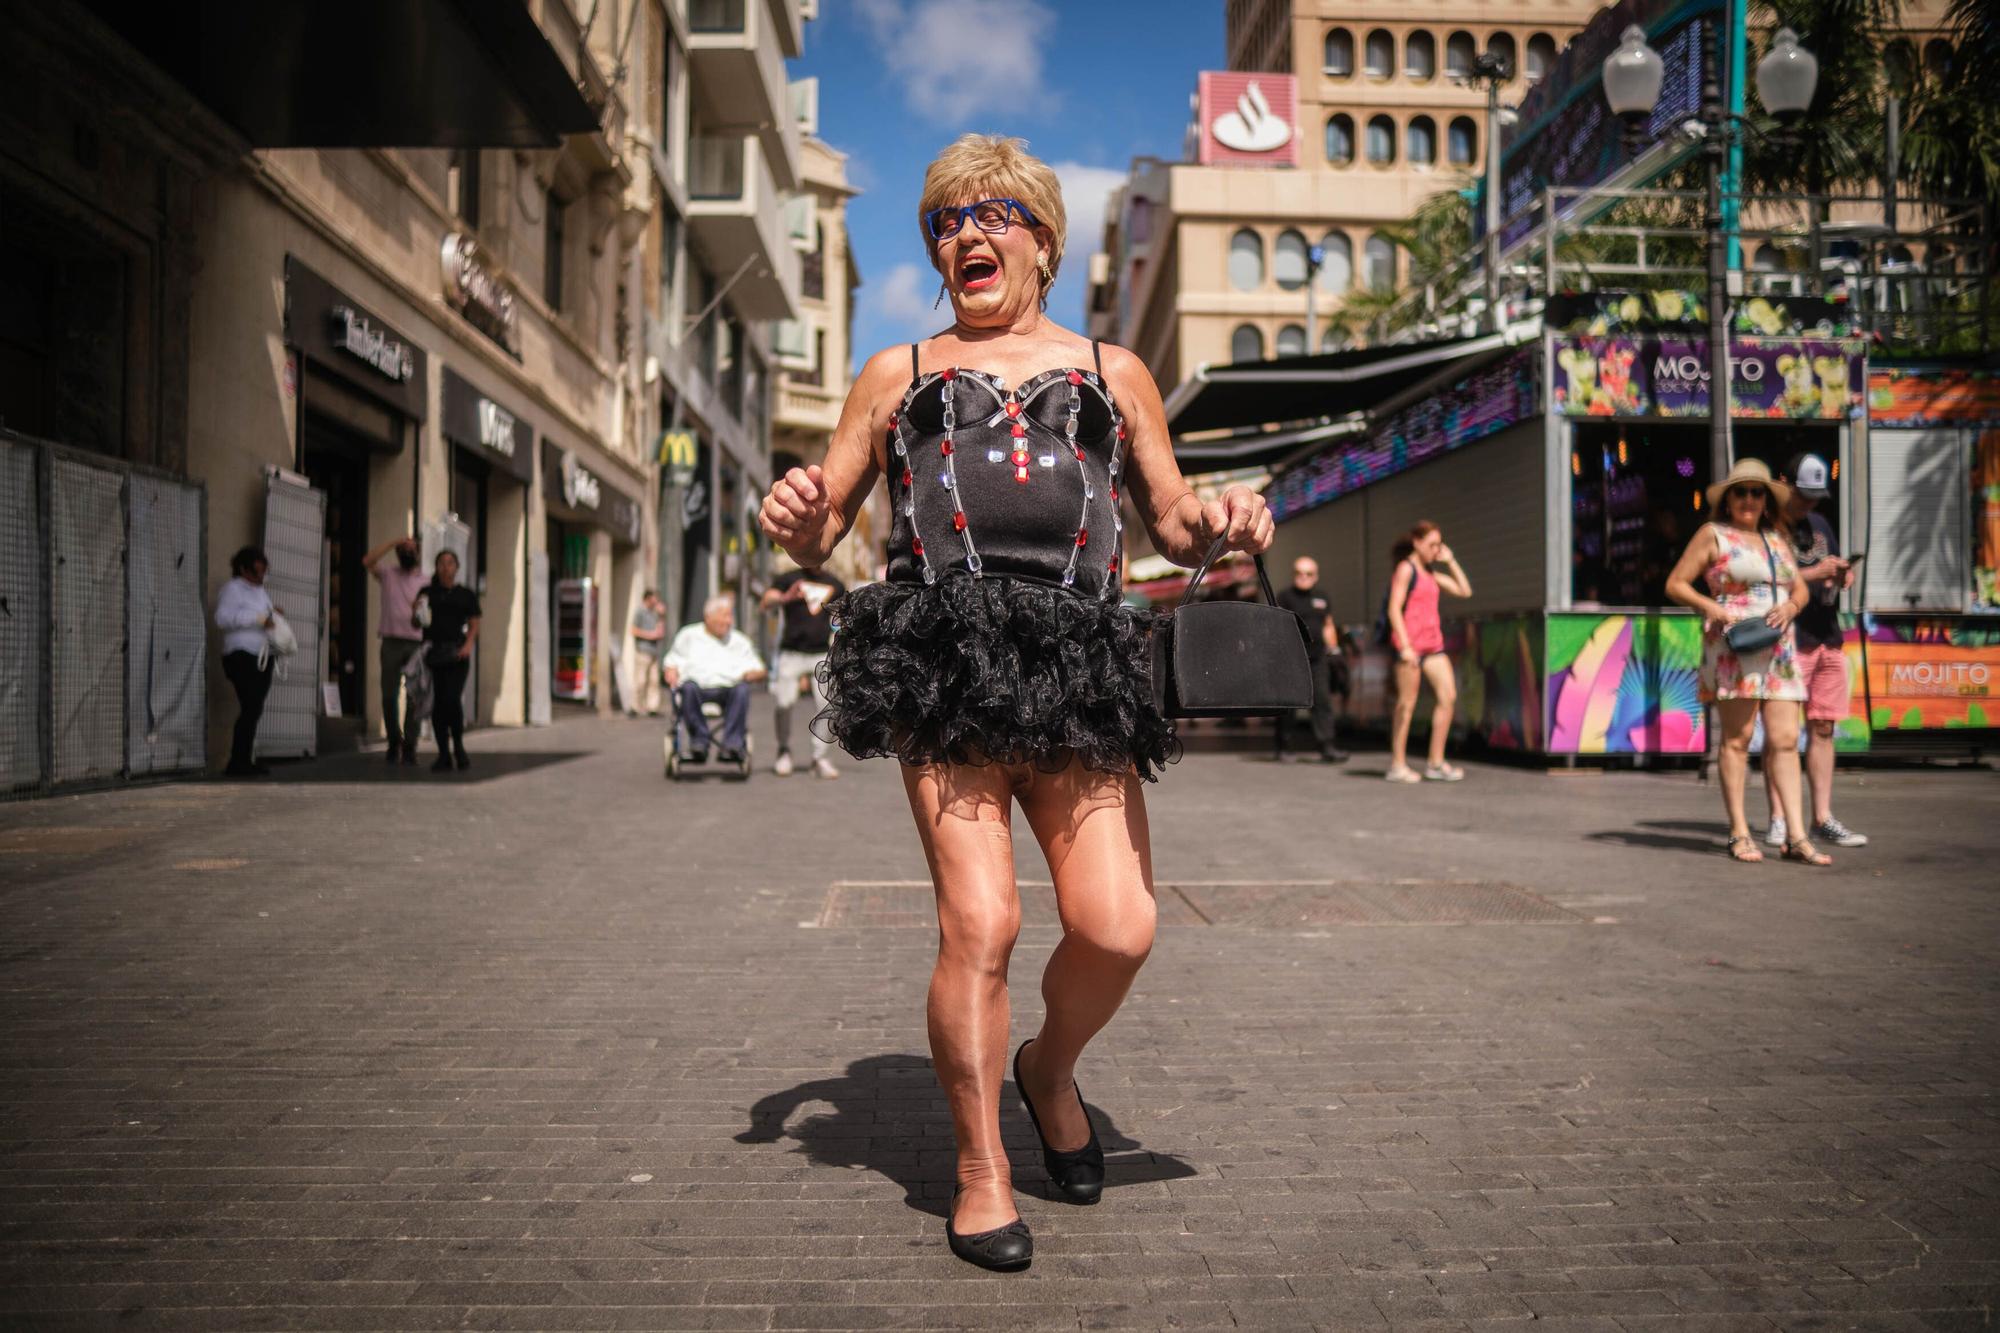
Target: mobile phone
point(1856, 558)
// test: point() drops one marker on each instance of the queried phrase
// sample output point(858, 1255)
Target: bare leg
point(1408, 679)
point(1092, 827)
point(1819, 771)
point(1738, 720)
point(963, 815)
point(1781, 759)
point(1444, 688)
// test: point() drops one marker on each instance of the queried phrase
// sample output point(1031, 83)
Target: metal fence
point(103, 620)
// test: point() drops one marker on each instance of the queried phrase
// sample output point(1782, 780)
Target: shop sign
point(376, 347)
point(1933, 398)
point(580, 489)
point(1915, 686)
point(1248, 118)
point(568, 484)
point(1786, 379)
point(496, 427)
point(476, 422)
point(476, 292)
point(678, 454)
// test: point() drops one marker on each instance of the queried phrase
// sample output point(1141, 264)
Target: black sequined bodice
point(1020, 481)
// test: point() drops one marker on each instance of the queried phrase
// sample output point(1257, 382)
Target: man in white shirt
point(714, 662)
point(243, 613)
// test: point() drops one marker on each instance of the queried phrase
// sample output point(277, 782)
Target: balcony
point(736, 51)
point(734, 216)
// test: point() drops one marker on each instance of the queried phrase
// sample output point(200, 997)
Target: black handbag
point(1754, 636)
point(1230, 659)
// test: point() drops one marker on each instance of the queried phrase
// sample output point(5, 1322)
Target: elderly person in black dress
point(997, 661)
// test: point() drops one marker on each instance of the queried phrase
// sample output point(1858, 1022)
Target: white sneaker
point(1832, 830)
point(783, 768)
point(823, 768)
point(1775, 837)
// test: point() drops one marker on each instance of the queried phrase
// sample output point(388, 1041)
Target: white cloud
point(898, 307)
point(1085, 190)
point(963, 61)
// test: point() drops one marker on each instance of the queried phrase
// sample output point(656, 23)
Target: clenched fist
point(794, 513)
point(1242, 516)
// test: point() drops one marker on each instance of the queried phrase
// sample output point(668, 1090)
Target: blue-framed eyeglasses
point(989, 215)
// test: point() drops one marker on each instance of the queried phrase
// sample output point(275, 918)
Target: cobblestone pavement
point(556, 1045)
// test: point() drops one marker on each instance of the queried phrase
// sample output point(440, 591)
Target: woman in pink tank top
point(1424, 566)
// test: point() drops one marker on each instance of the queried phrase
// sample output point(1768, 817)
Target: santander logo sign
point(1248, 118)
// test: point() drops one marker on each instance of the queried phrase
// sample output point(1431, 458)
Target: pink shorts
point(1824, 670)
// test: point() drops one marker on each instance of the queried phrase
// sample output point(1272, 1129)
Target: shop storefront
point(362, 390)
point(491, 449)
point(1570, 474)
point(594, 531)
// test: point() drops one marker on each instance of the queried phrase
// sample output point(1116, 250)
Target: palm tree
point(1952, 150)
point(1843, 142)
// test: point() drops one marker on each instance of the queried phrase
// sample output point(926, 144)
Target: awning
point(1251, 395)
point(363, 73)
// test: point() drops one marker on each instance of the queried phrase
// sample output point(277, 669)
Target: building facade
point(1209, 263)
point(482, 342)
point(816, 350)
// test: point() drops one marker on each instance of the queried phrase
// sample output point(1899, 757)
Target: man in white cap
point(1822, 662)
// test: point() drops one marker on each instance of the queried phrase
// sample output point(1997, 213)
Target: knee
point(1446, 699)
point(979, 936)
point(1123, 942)
point(1822, 728)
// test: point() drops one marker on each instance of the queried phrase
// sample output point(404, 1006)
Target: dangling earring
point(940, 297)
point(1048, 280)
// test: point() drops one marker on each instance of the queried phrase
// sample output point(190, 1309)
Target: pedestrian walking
point(244, 614)
point(1305, 600)
point(1822, 660)
point(649, 636)
point(802, 595)
point(402, 583)
point(714, 662)
point(1424, 567)
point(451, 626)
point(997, 661)
point(1749, 658)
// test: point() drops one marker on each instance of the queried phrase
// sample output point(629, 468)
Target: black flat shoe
point(1078, 1175)
point(1005, 1249)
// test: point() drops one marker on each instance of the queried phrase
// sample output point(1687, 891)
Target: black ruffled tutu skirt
point(993, 670)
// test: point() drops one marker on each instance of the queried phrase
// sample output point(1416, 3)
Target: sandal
point(1798, 849)
point(1743, 847)
point(1444, 773)
point(1404, 774)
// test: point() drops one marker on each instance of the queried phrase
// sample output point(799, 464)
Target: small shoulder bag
point(1230, 659)
point(1756, 634)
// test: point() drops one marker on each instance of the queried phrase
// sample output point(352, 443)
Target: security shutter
point(23, 625)
point(1919, 487)
point(166, 712)
point(295, 544)
point(87, 652)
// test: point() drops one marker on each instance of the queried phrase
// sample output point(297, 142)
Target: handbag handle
point(1215, 553)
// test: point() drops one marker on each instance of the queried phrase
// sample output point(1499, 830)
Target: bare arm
point(471, 637)
point(810, 509)
point(1399, 592)
point(1681, 582)
point(1328, 635)
point(368, 561)
point(1182, 528)
point(1451, 575)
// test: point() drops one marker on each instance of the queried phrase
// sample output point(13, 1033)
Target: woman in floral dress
point(1750, 574)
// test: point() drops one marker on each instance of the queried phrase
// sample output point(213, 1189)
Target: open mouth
point(977, 274)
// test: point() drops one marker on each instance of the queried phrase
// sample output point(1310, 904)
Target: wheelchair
point(680, 765)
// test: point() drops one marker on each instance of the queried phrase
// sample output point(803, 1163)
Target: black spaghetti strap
point(914, 363)
point(1097, 356)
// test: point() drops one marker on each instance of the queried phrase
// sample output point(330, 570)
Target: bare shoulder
point(888, 367)
point(1126, 372)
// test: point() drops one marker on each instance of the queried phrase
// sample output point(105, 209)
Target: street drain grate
point(65, 840)
point(1256, 904)
point(212, 863)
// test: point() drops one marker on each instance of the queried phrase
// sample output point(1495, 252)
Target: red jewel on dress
point(1075, 377)
point(1114, 495)
point(945, 447)
point(1121, 432)
point(1113, 566)
point(1019, 430)
point(916, 546)
point(909, 479)
point(892, 421)
point(1082, 536)
point(958, 521)
point(1020, 474)
point(1020, 458)
point(1013, 408)
point(951, 372)
point(1079, 453)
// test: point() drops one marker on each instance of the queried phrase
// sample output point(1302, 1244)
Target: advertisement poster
point(1782, 378)
point(1933, 398)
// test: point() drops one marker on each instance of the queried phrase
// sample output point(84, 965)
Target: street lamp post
point(1786, 77)
point(1491, 70)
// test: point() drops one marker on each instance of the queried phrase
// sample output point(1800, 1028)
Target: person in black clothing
point(1304, 600)
point(804, 595)
point(452, 629)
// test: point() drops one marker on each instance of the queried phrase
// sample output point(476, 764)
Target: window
point(1336, 270)
point(1292, 340)
point(1462, 141)
point(1381, 256)
point(1288, 260)
point(1246, 344)
point(553, 250)
point(1382, 141)
point(1338, 58)
point(1899, 66)
point(1421, 141)
point(1501, 47)
point(1541, 56)
point(1339, 140)
point(462, 186)
point(1381, 54)
point(1420, 56)
point(1246, 260)
point(1937, 57)
point(1459, 53)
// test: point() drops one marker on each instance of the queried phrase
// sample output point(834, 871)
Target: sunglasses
point(1744, 493)
point(992, 216)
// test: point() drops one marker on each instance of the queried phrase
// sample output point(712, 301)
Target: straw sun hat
point(1750, 471)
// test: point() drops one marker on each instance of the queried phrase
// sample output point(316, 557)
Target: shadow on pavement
point(487, 765)
point(882, 1109)
point(1696, 837)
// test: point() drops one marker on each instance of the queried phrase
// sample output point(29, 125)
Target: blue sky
point(1089, 83)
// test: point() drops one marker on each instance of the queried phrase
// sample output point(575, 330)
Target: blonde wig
point(993, 166)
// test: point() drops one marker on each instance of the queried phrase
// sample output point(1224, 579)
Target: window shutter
point(1919, 487)
point(805, 105)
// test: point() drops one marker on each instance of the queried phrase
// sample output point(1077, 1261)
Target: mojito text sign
point(1782, 378)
